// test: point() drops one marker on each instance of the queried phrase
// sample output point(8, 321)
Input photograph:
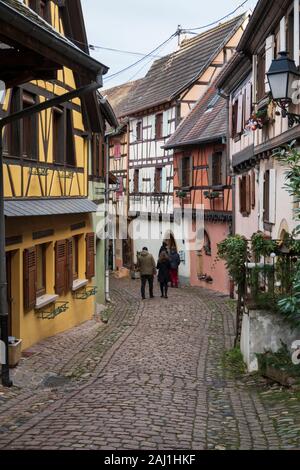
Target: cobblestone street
point(151, 378)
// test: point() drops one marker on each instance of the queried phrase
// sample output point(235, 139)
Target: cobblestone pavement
point(152, 378)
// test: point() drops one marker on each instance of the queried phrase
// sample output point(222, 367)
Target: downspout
point(107, 297)
point(6, 382)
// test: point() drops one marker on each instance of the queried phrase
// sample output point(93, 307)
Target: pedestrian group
point(166, 270)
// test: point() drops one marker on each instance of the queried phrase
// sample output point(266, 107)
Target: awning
point(46, 207)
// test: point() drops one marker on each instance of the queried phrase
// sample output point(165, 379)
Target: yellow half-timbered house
point(50, 242)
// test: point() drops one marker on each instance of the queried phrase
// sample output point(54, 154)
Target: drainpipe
point(107, 297)
point(6, 382)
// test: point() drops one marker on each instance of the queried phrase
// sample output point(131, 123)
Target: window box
point(212, 194)
point(45, 300)
point(79, 284)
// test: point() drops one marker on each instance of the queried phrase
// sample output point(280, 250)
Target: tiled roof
point(170, 75)
point(24, 10)
point(120, 96)
point(34, 25)
point(206, 122)
point(40, 207)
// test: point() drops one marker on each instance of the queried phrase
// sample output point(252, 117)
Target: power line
point(217, 21)
point(143, 58)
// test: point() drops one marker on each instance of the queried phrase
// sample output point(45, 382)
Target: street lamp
point(284, 81)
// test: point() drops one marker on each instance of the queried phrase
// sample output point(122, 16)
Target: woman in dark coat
point(164, 278)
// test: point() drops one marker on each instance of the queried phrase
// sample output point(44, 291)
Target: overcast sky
point(140, 26)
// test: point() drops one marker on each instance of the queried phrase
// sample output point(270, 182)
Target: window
point(70, 144)
point(217, 169)
point(159, 126)
point(45, 10)
point(75, 256)
point(117, 150)
point(90, 255)
point(136, 178)
point(29, 128)
point(14, 129)
point(139, 130)
point(290, 34)
point(41, 270)
point(245, 194)
point(158, 180)
point(186, 172)
point(97, 156)
point(58, 135)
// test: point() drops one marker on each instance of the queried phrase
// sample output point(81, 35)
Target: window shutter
point(267, 197)
point(253, 185)
point(248, 194)
point(60, 267)
point(29, 263)
point(70, 273)
point(242, 209)
point(248, 104)
point(254, 78)
point(224, 168)
point(191, 170)
point(180, 176)
point(272, 197)
point(90, 255)
point(270, 48)
point(239, 126)
point(210, 170)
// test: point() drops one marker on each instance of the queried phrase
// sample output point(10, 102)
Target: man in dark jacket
point(147, 267)
point(174, 262)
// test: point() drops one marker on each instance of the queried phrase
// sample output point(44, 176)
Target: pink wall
point(216, 269)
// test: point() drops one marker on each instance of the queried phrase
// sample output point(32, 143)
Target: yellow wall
point(26, 324)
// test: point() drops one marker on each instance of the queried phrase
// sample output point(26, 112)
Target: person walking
point(164, 267)
point(164, 248)
point(146, 266)
point(174, 262)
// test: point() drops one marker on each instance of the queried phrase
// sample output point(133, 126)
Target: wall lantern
point(284, 81)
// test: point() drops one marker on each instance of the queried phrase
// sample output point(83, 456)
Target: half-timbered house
point(161, 100)
point(50, 243)
point(256, 128)
point(202, 182)
point(121, 244)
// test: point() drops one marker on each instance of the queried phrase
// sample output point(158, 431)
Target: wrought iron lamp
point(284, 81)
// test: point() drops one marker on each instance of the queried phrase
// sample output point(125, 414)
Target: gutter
point(3, 280)
point(50, 40)
point(194, 142)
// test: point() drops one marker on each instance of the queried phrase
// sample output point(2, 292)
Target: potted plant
point(14, 351)
point(211, 194)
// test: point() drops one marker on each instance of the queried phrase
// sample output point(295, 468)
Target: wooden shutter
point(272, 196)
point(248, 102)
point(60, 266)
point(157, 180)
point(136, 181)
point(239, 125)
point(248, 194)
point(29, 264)
point(270, 48)
point(191, 170)
point(224, 168)
point(253, 187)
point(90, 255)
point(241, 195)
point(266, 196)
point(158, 126)
point(70, 273)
